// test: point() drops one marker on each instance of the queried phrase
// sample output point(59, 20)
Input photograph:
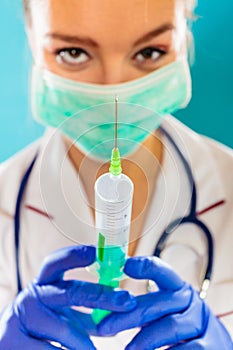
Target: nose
point(117, 71)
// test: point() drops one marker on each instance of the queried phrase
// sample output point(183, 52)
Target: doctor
point(81, 48)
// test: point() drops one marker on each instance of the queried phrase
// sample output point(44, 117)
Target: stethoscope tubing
point(21, 192)
point(187, 220)
point(190, 218)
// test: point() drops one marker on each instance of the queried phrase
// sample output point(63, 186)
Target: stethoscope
point(190, 218)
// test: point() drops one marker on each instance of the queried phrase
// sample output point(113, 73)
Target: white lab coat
point(55, 188)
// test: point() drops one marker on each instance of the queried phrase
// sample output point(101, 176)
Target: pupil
point(74, 52)
point(147, 53)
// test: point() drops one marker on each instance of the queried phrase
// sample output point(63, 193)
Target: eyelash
point(147, 51)
point(60, 54)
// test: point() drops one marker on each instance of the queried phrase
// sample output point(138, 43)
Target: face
point(106, 41)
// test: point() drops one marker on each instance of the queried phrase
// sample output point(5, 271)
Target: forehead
point(103, 17)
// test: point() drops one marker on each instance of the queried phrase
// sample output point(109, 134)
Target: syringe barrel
point(113, 207)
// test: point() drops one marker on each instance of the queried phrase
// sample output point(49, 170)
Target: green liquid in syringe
point(111, 262)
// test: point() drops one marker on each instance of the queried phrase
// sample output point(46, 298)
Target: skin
point(108, 42)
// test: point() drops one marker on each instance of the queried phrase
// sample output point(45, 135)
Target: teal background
point(210, 111)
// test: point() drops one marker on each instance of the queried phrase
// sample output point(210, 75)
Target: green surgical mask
point(85, 112)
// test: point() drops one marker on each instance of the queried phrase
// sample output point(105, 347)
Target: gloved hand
point(36, 318)
point(173, 316)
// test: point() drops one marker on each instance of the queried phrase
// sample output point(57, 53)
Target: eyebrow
point(73, 39)
point(154, 33)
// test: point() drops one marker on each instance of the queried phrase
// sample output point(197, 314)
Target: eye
point(149, 55)
point(72, 56)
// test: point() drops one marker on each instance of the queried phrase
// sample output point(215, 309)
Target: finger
point(34, 344)
point(65, 259)
point(195, 344)
point(22, 341)
point(38, 345)
point(214, 336)
point(154, 269)
point(91, 295)
point(158, 334)
point(172, 329)
point(150, 307)
point(80, 320)
point(50, 326)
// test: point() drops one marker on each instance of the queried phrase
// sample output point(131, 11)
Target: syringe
point(113, 206)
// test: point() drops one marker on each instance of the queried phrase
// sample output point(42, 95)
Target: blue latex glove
point(173, 316)
point(36, 316)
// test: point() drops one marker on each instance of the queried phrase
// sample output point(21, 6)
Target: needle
point(116, 120)
point(115, 163)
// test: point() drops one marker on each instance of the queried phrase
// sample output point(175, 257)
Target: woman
point(139, 50)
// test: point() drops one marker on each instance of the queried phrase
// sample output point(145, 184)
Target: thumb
point(154, 269)
point(65, 259)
